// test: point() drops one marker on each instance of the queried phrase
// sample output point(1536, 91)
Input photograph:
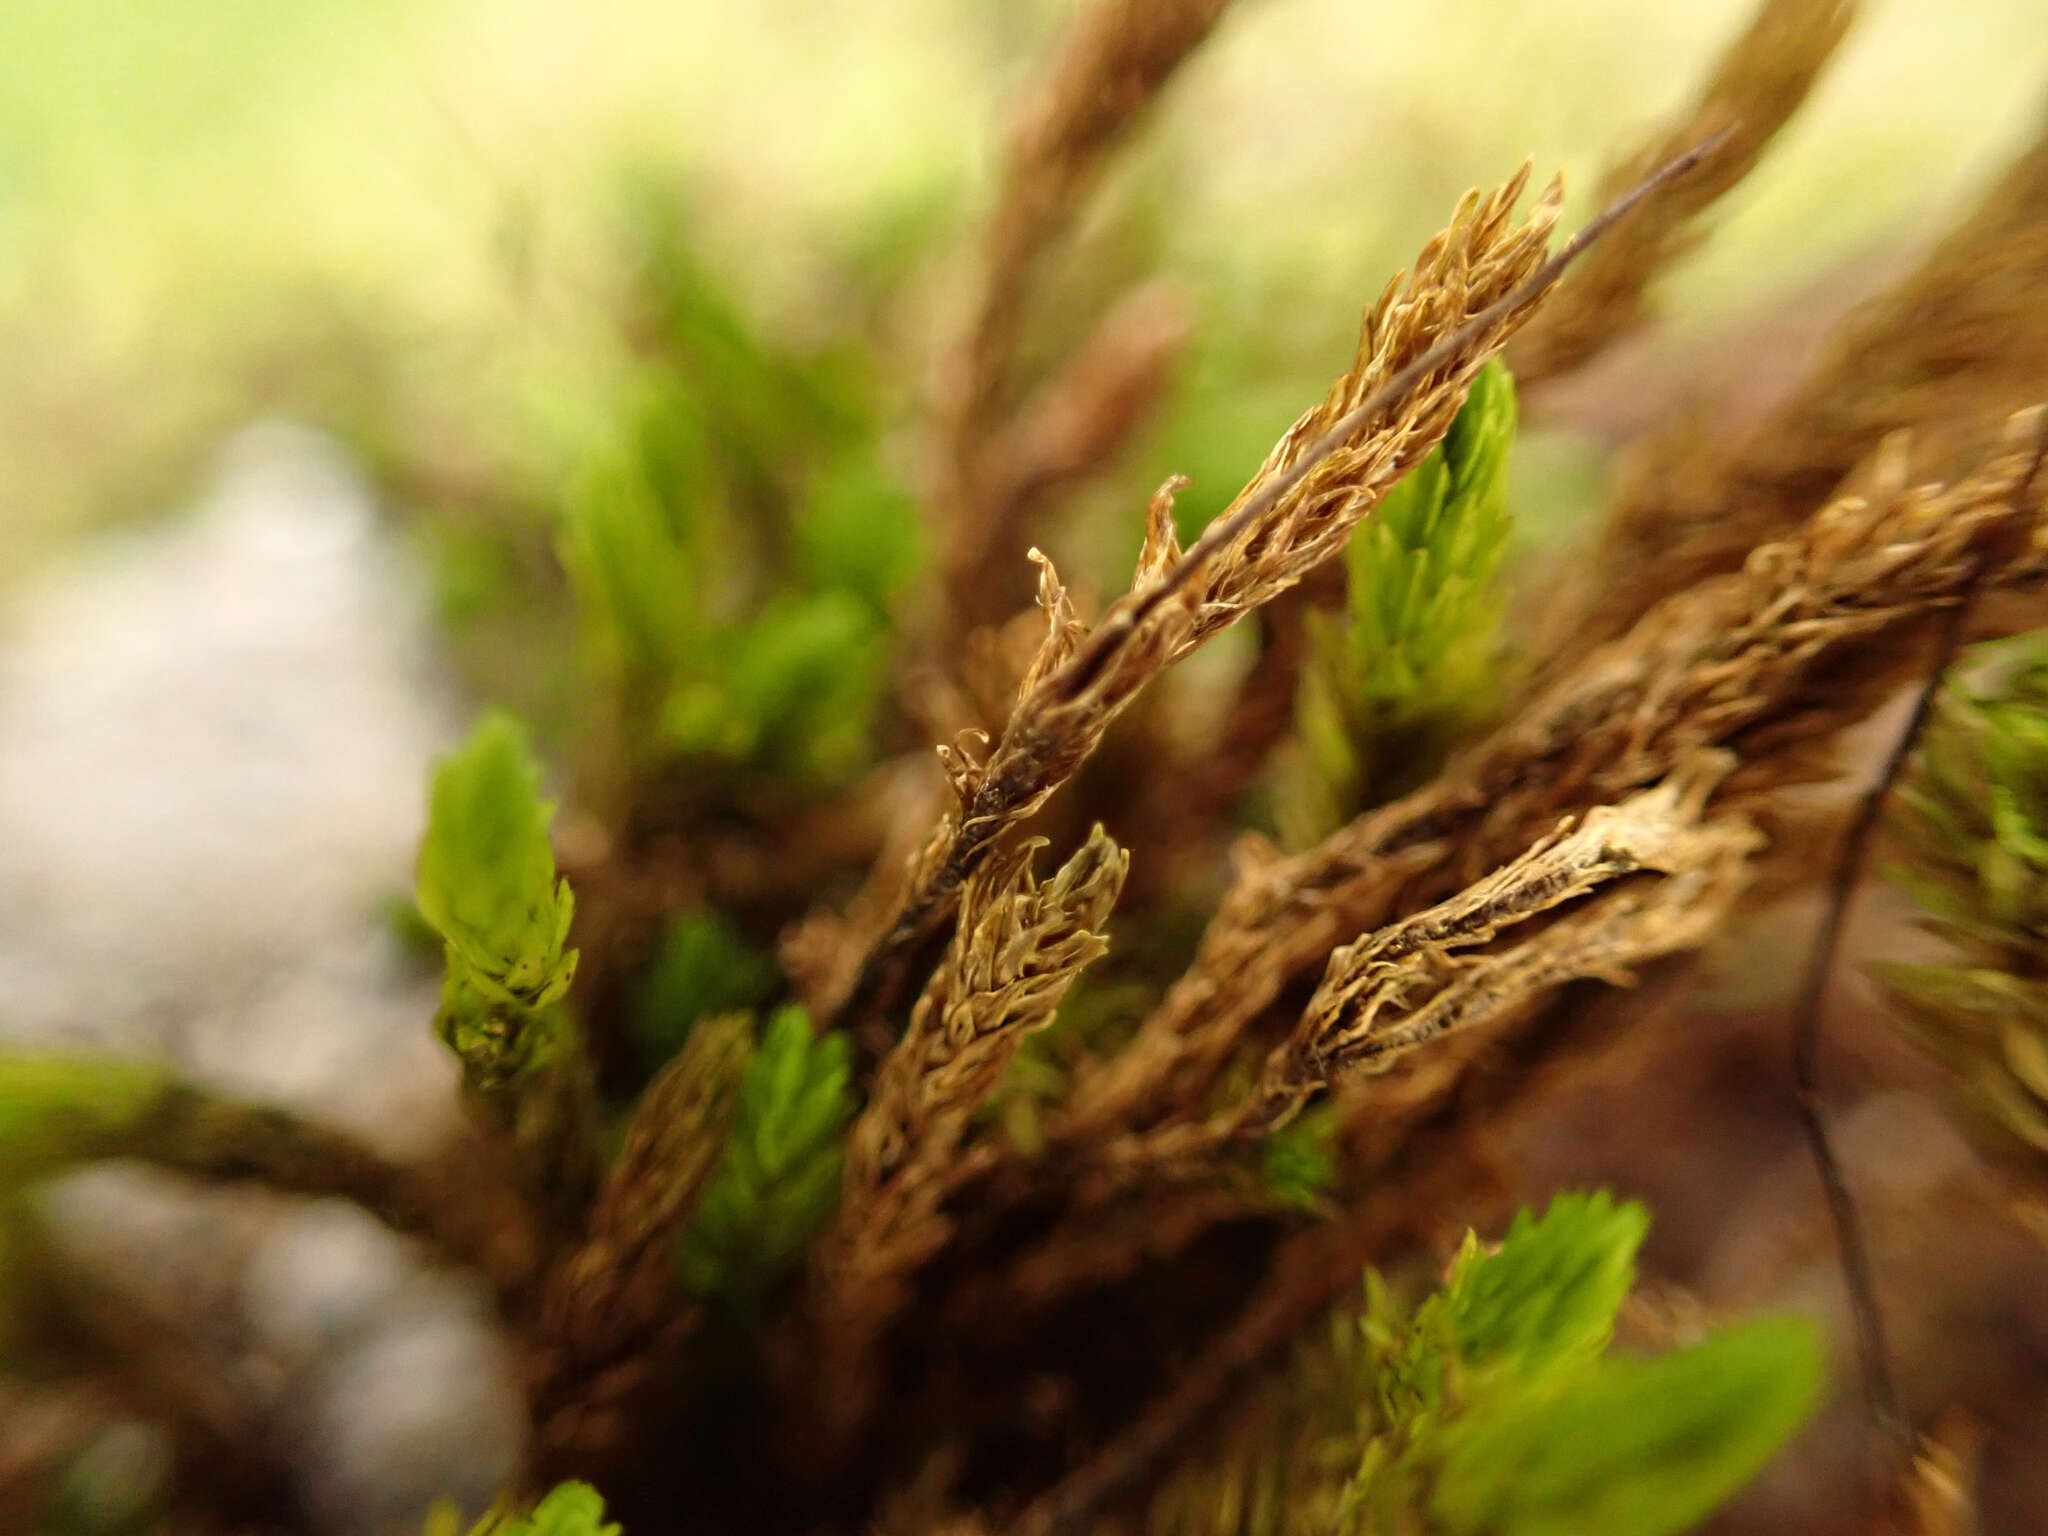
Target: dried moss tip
point(1404, 985)
point(609, 1297)
point(1947, 353)
point(1723, 663)
point(1018, 946)
point(1422, 345)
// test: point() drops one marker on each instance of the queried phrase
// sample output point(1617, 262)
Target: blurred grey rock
point(425, 1406)
point(214, 738)
point(320, 1279)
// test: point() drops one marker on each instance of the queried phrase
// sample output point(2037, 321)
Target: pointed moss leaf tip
point(1550, 1292)
point(1396, 681)
point(568, 1509)
point(777, 1179)
point(1495, 1408)
point(487, 871)
point(1634, 1447)
point(487, 885)
point(1424, 610)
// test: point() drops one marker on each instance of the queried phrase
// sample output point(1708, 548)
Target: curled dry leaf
point(1402, 987)
point(1567, 909)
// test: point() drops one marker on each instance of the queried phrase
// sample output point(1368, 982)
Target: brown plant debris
point(1018, 946)
point(1631, 883)
point(1756, 86)
point(1732, 662)
point(610, 1307)
point(1949, 352)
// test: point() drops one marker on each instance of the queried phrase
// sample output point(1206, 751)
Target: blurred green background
point(395, 210)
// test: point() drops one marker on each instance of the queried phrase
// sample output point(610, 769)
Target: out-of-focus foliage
point(568, 1509)
point(486, 883)
point(1494, 1406)
point(778, 1178)
point(1636, 1447)
point(300, 182)
point(57, 1108)
point(734, 538)
point(1298, 1161)
point(1548, 1296)
point(1973, 816)
point(116, 1484)
point(1498, 1410)
point(1407, 673)
point(703, 967)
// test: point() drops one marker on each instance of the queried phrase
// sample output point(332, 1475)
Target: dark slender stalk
point(1880, 1389)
